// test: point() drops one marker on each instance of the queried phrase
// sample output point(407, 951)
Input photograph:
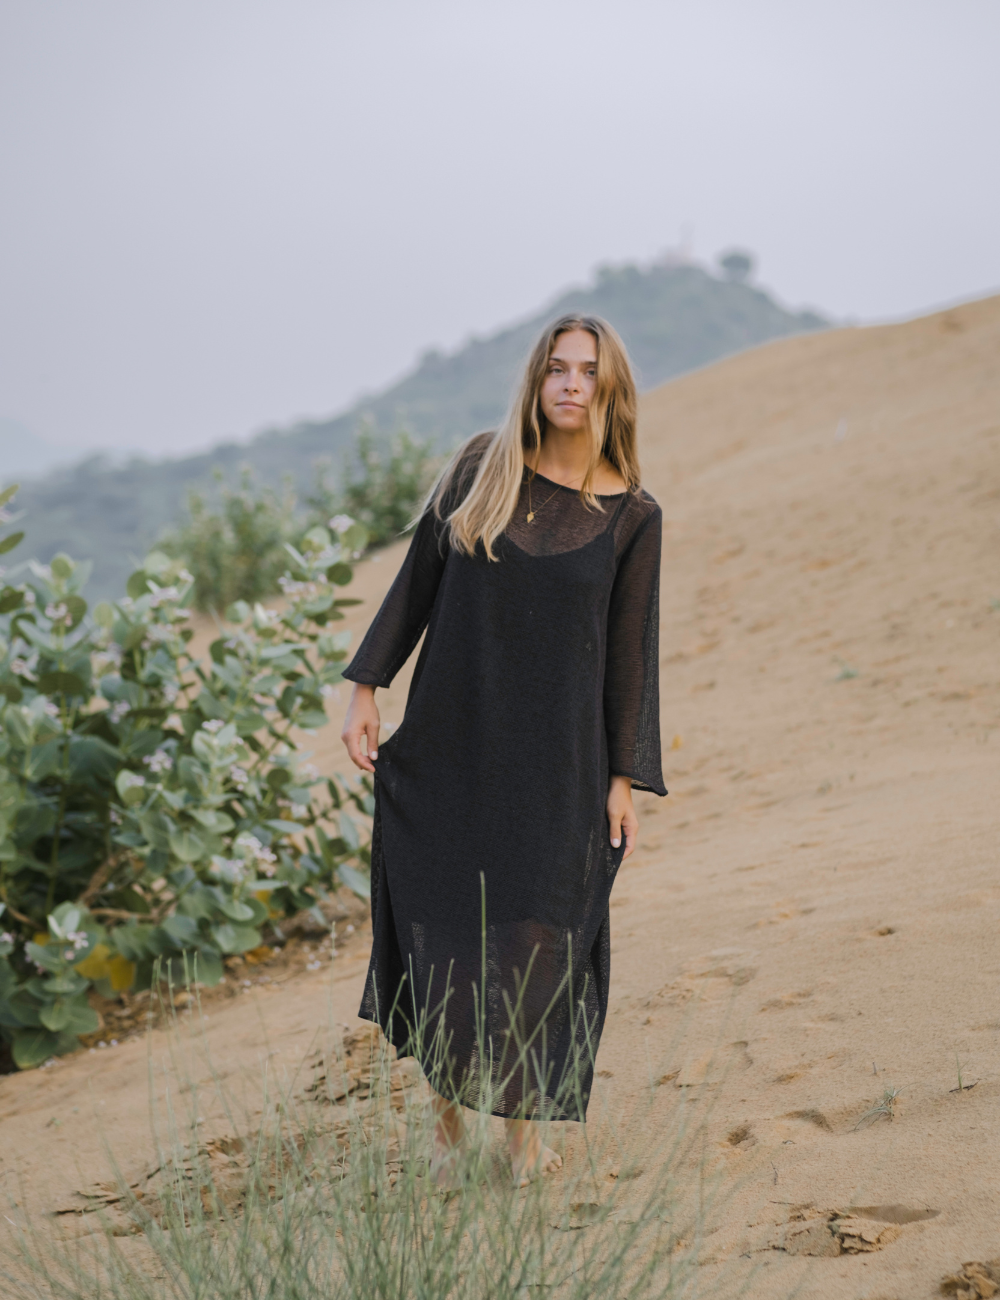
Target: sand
point(811, 917)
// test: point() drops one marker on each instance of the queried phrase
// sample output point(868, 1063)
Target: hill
point(673, 319)
point(810, 918)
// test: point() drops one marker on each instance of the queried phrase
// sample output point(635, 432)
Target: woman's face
point(568, 386)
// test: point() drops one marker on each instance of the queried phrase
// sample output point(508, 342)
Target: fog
point(223, 214)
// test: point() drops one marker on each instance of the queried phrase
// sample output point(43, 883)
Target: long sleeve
point(631, 675)
point(404, 613)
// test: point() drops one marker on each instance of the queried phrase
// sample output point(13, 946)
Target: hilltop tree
point(736, 265)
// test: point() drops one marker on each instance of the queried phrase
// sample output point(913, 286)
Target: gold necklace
point(532, 513)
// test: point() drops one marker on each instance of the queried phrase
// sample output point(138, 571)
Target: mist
point(221, 216)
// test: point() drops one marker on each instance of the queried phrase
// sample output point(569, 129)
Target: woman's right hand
point(360, 733)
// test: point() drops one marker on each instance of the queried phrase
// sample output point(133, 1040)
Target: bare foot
point(529, 1156)
point(447, 1146)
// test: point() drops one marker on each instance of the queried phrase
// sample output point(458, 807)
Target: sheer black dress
point(492, 862)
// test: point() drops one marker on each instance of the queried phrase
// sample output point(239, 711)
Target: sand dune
point(812, 915)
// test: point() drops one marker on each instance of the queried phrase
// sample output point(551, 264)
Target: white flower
point(298, 810)
point(56, 612)
point(310, 771)
point(238, 776)
point(170, 691)
point(341, 523)
point(19, 668)
point(118, 711)
point(130, 779)
point(29, 597)
point(112, 652)
point(114, 817)
point(232, 870)
point(184, 576)
point(159, 762)
point(6, 937)
point(264, 858)
point(213, 725)
point(51, 709)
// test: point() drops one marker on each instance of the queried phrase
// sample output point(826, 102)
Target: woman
point(503, 798)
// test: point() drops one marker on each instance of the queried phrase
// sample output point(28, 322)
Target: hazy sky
point(220, 214)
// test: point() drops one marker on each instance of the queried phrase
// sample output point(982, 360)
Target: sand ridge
point(811, 917)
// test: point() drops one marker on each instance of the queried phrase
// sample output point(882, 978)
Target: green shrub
point(155, 811)
point(235, 547)
point(235, 550)
point(384, 487)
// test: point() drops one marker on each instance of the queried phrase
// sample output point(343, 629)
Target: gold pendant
point(531, 516)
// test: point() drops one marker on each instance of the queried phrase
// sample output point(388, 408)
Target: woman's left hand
point(621, 814)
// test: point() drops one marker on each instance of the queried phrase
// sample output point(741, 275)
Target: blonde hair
point(486, 508)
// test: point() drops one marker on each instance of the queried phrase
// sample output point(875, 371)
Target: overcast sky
point(222, 214)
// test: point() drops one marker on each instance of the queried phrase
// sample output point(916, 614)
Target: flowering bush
point(156, 811)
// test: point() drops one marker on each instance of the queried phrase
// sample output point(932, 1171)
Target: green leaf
point(311, 719)
point(74, 1016)
point(21, 1009)
point(341, 574)
point(93, 762)
point(32, 1047)
point(205, 966)
point(183, 930)
point(77, 607)
point(236, 938)
point(134, 637)
point(212, 820)
point(65, 984)
point(283, 827)
point(104, 615)
point(348, 831)
point(357, 881)
point(10, 598)
point(137, 585)
point(276, 651)
point(355, 538)
point(56, 682)
point(44, 955)
point(37, 637)
point(236, 911)
point(156, 829)
point(10, 542)
point(131, 788)
point(248, 721)
point(64, 919)
point(238, 612)
point(187, 846)
point(132, 940)
point(8, 493)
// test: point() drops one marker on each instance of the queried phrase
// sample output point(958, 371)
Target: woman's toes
point(552, 1161)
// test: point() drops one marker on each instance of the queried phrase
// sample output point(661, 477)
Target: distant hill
point(672, 318)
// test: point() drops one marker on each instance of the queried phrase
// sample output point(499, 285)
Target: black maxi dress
point(492, 862)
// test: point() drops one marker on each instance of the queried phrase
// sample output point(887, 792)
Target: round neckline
point(601, 496)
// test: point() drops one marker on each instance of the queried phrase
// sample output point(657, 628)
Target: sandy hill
point(812, 916)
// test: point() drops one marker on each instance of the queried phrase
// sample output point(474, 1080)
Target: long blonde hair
point(487, 506)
